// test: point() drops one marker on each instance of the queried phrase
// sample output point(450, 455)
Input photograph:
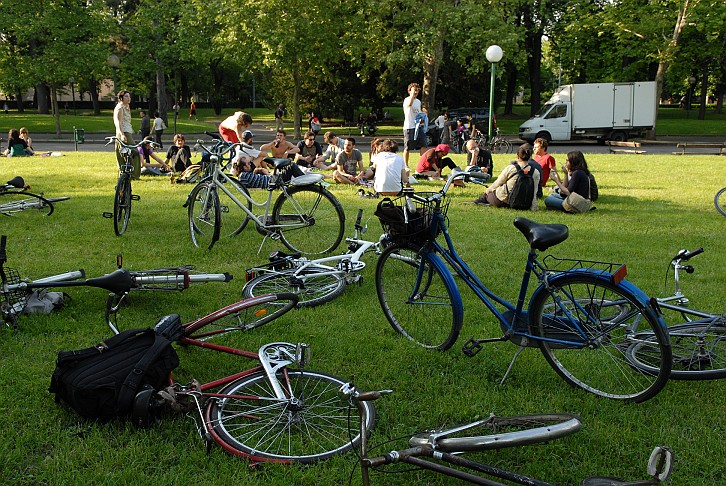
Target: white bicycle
point(317, 281)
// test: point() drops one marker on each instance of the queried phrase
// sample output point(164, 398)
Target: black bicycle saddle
point(541, 236)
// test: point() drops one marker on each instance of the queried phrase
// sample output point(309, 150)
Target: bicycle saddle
point(16, 181)
point(541, 236)
point(278, 163)
point(117, 282)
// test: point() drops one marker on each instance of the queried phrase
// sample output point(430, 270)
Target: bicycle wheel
point(251, 422)
point(422, 310)
point(122, 204)
point(592, 322)
point(313, 287)
point(14, 202)
point(310, 219)
point(204, 215)
point(699, 351)
point(501, 146)
point(501, 432)
point(720, 201)
point(234, 219)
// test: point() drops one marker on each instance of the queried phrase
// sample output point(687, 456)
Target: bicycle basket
point(405, 226)
point(14, 300)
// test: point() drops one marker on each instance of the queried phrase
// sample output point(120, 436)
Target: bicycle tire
point(122, 204)
point(204, 215)
point(501, 146)
point(266, 429)
point(313, 286)
point(699, 351)
point(719, 200)
point(596, 362)
point(12, 202)
point(501, 432)
point(428, 317)
point(233, 219)
point(56, 199)
point(311, 219)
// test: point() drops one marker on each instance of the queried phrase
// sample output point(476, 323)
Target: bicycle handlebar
point(217, 148)
point(685, 255)
point(110, 140)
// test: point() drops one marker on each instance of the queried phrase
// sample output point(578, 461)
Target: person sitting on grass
point(391, 172)
point(17, 147)
point(350, 164)
point(255, 178)
point(147, 153)
point(433, 161)
point(179, 156)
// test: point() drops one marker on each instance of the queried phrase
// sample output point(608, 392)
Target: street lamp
point(494, 55)
point(113, 61)
point(73, 94)
point(691, 82)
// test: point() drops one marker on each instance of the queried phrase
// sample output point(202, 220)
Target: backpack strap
point(134, 379)
point(519, 172)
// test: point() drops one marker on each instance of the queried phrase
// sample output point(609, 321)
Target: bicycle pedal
point(135, 197)
point(107, 215)
point(471, 347)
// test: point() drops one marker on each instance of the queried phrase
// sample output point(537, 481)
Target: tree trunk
point(296, 98)
point(56, 111)
point(19, 100)
point(41, 92)
point(162, 98)
point(533, 44)
point(719, 98)
point(512, 72)
point(704, 93)
point(92, 86)
point(432, 62)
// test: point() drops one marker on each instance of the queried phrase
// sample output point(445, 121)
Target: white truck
point(601, 111)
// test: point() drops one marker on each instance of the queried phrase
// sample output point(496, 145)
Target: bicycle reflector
point(619, 274)
point(261, 313)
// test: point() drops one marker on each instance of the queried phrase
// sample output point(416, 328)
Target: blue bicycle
point(583, 315)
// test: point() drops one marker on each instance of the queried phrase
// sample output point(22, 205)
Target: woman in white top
point(158, 127)
point(124, 131)
point(390, 169)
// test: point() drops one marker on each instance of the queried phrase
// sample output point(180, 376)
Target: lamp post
point(691, 82)
point(494, 55)
point(73, 94)
point(113, 61)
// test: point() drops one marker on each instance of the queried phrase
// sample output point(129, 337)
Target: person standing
point(159, 127)
point(411, 108)
point(193, 110)
point(545, 160)
point(124, 131)
point(279, 113)
point(145, 129)
point(232, 128)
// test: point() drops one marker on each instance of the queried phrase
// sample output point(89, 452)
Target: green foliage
point(644, 217)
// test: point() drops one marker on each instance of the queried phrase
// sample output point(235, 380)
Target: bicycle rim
point(500, 432)
point(122, 205)
point(422, 310)
point(313, 287)
point(251, 422)
point(699, 351)
point(310, 220)
point(597, 319)
point(720, 201)
point(204, 215)
point(233, 218)
point(12, 203)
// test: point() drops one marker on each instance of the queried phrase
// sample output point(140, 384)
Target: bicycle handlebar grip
point(690, 254)
point(359, 217)
point(372, 395)
point(3, 242)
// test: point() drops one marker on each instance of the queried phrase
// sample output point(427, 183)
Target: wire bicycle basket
point(409, 221)
point(12, 301)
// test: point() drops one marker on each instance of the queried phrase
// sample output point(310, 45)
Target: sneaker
point(481, 201)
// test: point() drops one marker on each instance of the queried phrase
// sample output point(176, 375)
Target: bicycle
point(268, 413)
point(719, 200)
point(317, 281)
point(14, 291)
point(123, 196)
point(15, 198)
point(305, 216)
point(446, 444)
point(497, 145)
point(570, 315)
point(698, 342)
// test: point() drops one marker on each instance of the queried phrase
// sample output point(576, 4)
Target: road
point(263, 134)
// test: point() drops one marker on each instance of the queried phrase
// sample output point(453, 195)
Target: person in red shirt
point(545, 160)
point(433, 161)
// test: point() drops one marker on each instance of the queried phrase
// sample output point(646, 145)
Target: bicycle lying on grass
point(123, 196)
point(317, 281)
point(268, 413)
point(15, 291)
point(15, 198)
point(719, 200)
point(698, 343)
point(570, 316)
point(305, 216)
point(446, 444)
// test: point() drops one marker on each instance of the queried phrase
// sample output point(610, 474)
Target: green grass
point(645, 215)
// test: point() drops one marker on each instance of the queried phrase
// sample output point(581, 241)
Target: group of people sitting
point(19, 143)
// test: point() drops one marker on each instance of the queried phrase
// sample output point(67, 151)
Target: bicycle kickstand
point(516, 355)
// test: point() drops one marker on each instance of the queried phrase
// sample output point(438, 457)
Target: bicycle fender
point(437, 262)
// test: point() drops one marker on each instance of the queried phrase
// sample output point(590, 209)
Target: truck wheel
point(545, 135)
point(619, 136)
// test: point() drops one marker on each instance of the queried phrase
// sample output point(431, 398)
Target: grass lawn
point(646, 213)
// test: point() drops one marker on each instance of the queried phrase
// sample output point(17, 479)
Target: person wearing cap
point(253, 155)
point(433, 161)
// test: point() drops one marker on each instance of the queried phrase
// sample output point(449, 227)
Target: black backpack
point(102, 381)
point(593, 188)
point(521, 195)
